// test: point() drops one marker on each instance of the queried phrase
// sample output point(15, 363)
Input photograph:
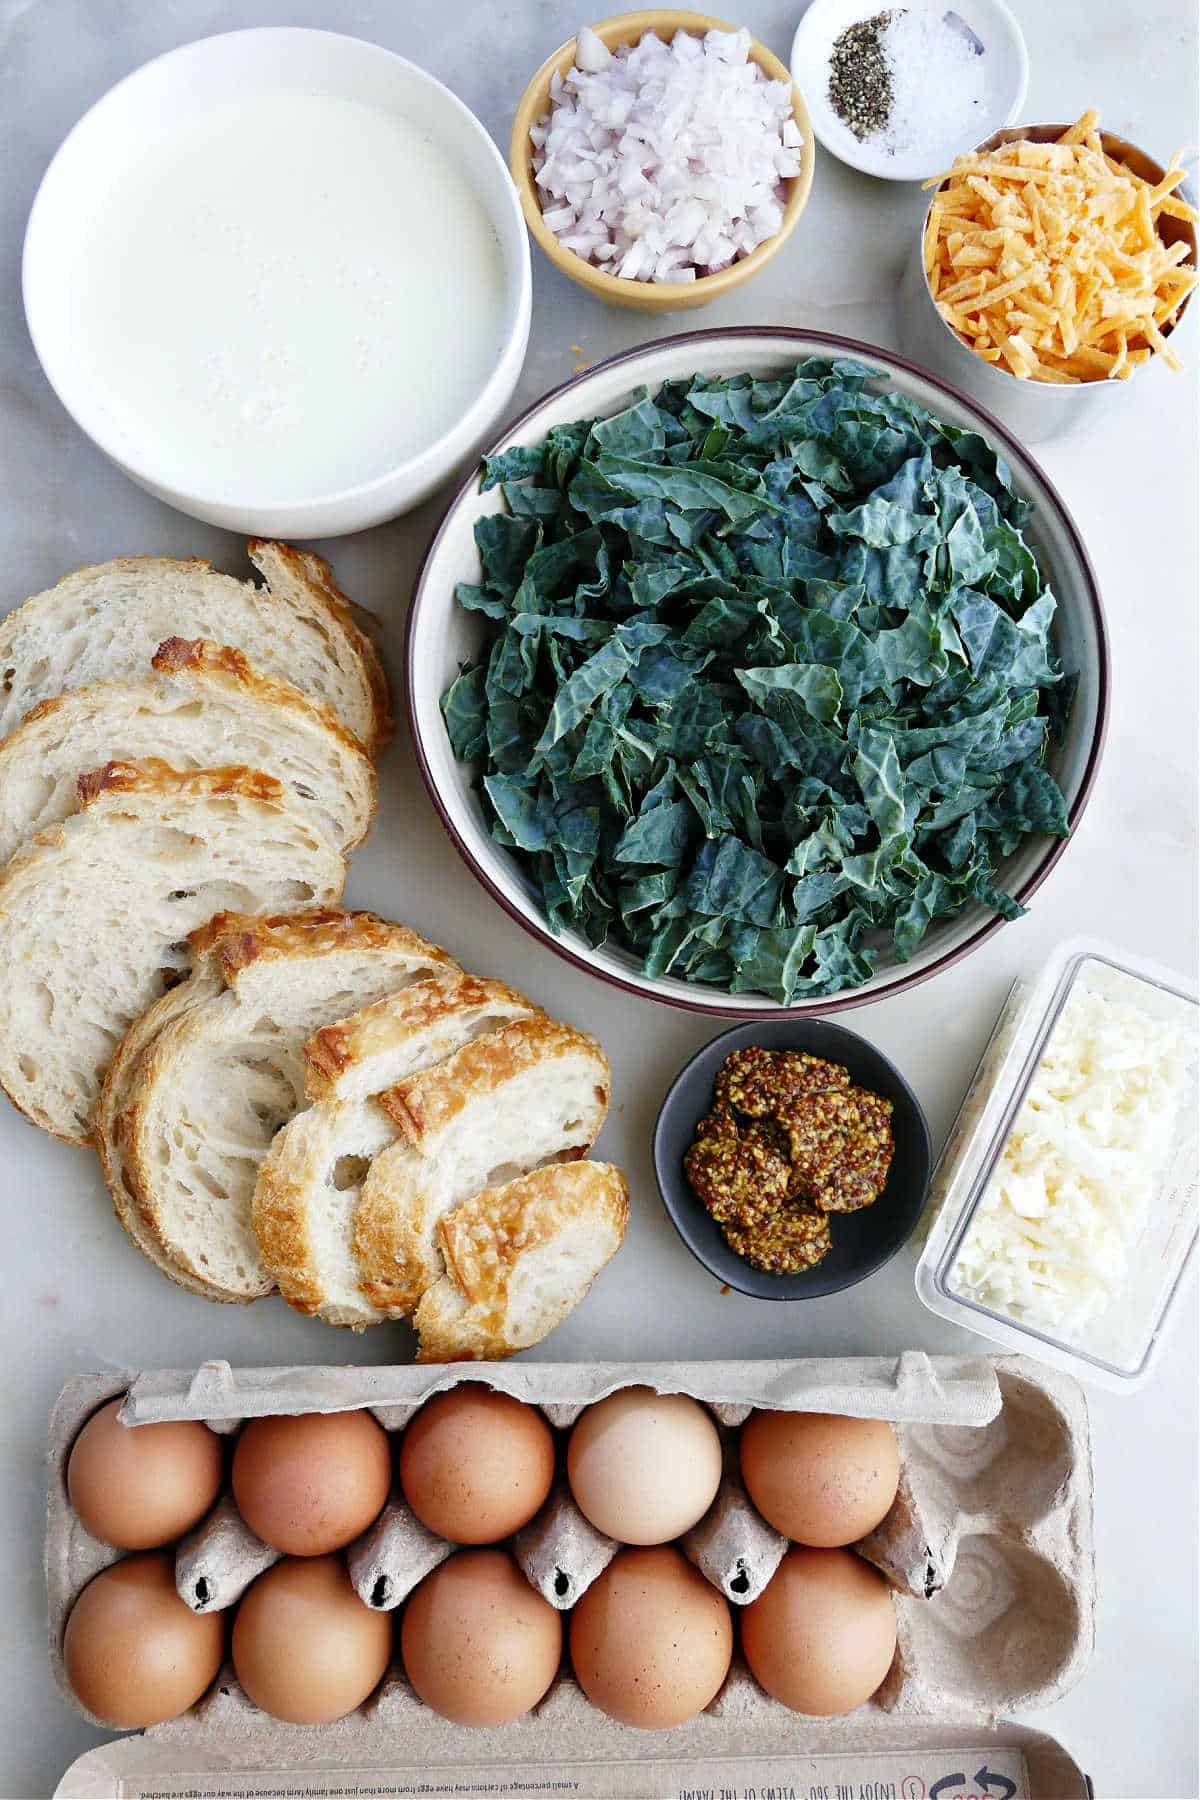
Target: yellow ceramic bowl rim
point(628, 28)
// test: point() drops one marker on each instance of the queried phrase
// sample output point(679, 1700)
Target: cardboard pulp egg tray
point(988, 1549)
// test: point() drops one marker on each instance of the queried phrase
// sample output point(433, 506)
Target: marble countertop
point(76, 1297)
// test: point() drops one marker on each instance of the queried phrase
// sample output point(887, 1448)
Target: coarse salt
point(940, 82)
point(665, 162)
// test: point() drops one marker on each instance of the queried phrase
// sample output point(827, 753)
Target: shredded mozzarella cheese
point(1050, 1241)
point(664, 162)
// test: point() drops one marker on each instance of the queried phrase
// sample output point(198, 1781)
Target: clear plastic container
point(1115, 1346)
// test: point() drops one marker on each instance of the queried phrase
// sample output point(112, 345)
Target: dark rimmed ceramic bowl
point(442, 636)
point(862, 1241)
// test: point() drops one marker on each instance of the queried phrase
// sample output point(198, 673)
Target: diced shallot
point(664, 162)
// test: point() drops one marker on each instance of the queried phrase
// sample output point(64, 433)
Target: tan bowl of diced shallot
point(726, 171)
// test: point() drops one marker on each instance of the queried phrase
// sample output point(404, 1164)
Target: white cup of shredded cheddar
point(1053, 264)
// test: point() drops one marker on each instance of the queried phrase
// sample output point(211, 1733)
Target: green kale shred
point(769, 677)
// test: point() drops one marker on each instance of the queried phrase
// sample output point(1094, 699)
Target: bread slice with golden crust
point(519, 1258)
point(105, 622)
point(204, 983)
point(95, 914)
point(536, 1092)
point(357, 1058)
point(228, 942)
point(309, 1184)
point(197, 707)
point(217, 1083)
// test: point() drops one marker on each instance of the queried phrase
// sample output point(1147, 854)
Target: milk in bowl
point(276, 297)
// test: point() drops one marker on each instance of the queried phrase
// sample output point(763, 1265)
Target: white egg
point(644, 1467)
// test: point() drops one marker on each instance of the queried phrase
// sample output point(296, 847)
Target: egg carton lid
point(744, 1742)
point(1006, 1762)
point(912, 1388)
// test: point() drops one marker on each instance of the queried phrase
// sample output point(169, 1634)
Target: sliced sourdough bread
point(204, 983)
point(354, 1059)
point(96, 912)
point(310, 1182)
point(199, 707)
point(519, 1258)
point(105, 623)
point(536, 1092)
point(226, 943)
point(219, 1081)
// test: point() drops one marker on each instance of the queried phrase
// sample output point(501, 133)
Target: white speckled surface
point(76, 1296)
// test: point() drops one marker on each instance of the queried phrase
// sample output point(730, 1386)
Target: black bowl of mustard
point(860, 1241)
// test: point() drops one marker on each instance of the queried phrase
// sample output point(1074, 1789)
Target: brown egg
point(822, 1634)
point(644, 1467)
point(476, 1465)
point(135, 1654)
point(651, 1639)
point(305, 1648)
point(479, 1645)
point(139, 1486)
point(309, 1484)
point(819, 1478)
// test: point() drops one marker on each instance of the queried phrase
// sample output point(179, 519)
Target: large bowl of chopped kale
point(758, 670)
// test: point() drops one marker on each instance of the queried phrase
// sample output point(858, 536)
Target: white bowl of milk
point(282, 279)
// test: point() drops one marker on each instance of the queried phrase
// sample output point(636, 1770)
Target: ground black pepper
point(860, 85)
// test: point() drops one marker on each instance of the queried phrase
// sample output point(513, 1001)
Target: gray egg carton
point(988, 1548)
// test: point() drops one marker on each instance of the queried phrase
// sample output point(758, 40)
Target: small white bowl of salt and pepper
point(900, 91)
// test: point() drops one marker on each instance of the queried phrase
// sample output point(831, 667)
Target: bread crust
point(150, 775)
point(133, 720)
point(281, 1229)
point(292, 1177)
point(330, 1052)
point(315, 593)
point(11, 900)
point(482, 1239)
point(224, 925)
point(281, 1214)
point(221, 664)
point(395, 1247)
point(395, 1242)
point(316, 575)
point(239, 943)
point(483, 1242)
point(207, 664)
point(246, 940)
point(137, 789)
point(425, 1104)
point(108, 1118)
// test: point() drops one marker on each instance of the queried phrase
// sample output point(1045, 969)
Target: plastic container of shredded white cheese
point(1063, 1212)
